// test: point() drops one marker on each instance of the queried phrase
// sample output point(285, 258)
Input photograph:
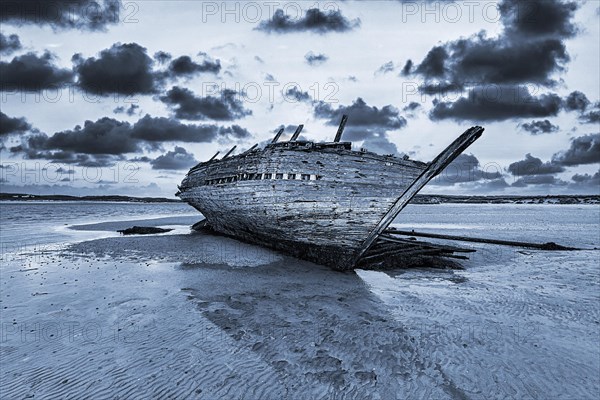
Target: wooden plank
point(540, 246)
point(384, 236)
point(249, 150)
point(434, 168)
point(229, 152)
point(388, 254)
point(423, 246)
point(297, 133)
point(215, 156)
point(201, 163)
point(340, 130)
point(276, 138)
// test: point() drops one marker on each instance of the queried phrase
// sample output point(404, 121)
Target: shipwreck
point(323, 202)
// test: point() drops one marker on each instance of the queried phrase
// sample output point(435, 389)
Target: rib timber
point(296, 133)
point(319, 201)
point(338, 135)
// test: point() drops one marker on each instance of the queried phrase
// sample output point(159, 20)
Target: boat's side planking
point(344, 194)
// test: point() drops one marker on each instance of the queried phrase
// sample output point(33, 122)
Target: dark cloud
point(62, 14)
point(186, 105)
point(184, 66)
point(131, 110)
point(162, 57)
point(489, 61)
point(9, 44)
point(576, 101)
point(534, 166)
point(124, 69)
point(294, 95)
point(176, 159)
point(315, 59)
point(128, 69)
point(106, 140)
point(529, 50)
point(538, 127)
point(592, 116)
point(407, 69)
point(433, 66)
point(586, 177)
point(33, 72)
point(160, 129)
point(538, 18)
point(549, 180)
point(9, 126)
point(140, 159)
point(466, 168)
point(412, 106)
point(481, 60)
point(497, 104)
point(587, 181)
point(63, 156)
point(104, 136)
point(314, 20)
point(440, 87)
point(364, 121)
point(234, 131)
point(583, 150)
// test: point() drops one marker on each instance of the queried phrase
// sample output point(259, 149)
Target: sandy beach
point(191, 315)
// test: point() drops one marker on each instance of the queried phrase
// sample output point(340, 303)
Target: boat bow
point(433, 168)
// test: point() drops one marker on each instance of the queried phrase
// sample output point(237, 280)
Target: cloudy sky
point(122, 97)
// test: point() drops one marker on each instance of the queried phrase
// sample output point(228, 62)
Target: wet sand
point(200, 316)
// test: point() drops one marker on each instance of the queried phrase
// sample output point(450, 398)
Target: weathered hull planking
point(315, 201)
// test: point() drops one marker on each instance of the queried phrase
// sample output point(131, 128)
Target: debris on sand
point(143, 230)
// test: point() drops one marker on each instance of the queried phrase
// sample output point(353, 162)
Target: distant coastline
point(59, 197)
point(506, 199)
point(419, 199)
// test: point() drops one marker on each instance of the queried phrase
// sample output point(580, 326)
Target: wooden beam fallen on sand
point(389, 238)
point(539, 246)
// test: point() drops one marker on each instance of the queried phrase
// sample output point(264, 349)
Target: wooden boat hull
point(315, 201)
